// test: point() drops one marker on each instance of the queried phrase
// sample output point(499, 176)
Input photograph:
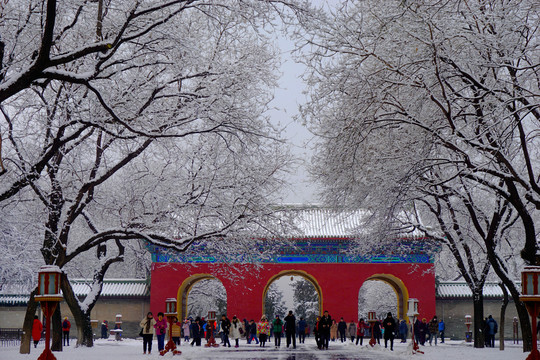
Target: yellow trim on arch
point(301, 273)
point(183, 292)
point(399, 288)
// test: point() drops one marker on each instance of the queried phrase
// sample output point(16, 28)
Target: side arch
point(399, 288)
point(310, 278)
point(185, 288)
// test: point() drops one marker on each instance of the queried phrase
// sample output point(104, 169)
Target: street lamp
point(530, 296)
point(49, 296)
point(211, 322)
point(412, 313)
point(468, 322)
point(170, 313)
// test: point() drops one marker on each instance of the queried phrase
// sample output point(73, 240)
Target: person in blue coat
point(441, 330)
point(403, 329)
point(302, 324)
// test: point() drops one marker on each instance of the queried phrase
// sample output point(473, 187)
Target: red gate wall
point(340, 284)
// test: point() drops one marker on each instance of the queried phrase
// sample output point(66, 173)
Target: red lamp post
point(170, 313)
point(530, 295)
point(468, 322)
point(372, 319)
point(49, 296)
point(412, 313)
point(212, 322)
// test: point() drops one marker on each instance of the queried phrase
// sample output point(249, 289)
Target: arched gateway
point(329, 263)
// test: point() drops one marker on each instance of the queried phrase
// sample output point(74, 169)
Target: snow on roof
point(317, 221)
point(81, 287)
point(460, 289)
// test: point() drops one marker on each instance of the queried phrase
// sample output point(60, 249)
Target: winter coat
point(403, 328)
point(195, 330)
point(176, 330)
point(235, 330)
point(186, 327)
point(352, 330)
point(252, 329)
point(389, 325)
point(342, 326)
point(66, 325)
point(161, 326)
point(441, 326)
point(277, 326)
point(492, 326)
point(37, 328)
point(433, 326)
point(361, 328)
point(333, 331)
point(290, 324)
point(146, 330)
point(377, 333)
point(225, 325)
point(324, 325)
point(302, 324)
point(263, 327)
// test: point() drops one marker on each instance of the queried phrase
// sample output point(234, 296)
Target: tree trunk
point(85, 335)
point(56, 338)
point(28, 323)
point(503, 313)
point(478, 309)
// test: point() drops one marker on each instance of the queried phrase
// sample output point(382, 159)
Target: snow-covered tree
point(436, 102)
point(306, 299)
point(207, 295)
point(274, 303)
point(126, 121)
point(376, 296)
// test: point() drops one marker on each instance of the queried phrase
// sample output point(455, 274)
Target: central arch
point(185, 288)
point(399, 288)
point(311, 279)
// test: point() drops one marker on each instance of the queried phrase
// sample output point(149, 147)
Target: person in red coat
point(66, 325)
point(37, 328)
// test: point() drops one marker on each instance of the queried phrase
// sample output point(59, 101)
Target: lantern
point(170, 307)
point(372, 316)
point(212, 320)
point(49, 296)
point(412, 310)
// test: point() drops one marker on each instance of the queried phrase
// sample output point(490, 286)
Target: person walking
point(389, 325)
point(104, 329)
point(236, 331)
point(277, 329)
point(441, 330)
point(66, 326)
point(403, 330)
point(290, 329)
point(361, 331)
point(185, 329)
point(252, 331)
point(433, 328)
point(342, 329)
point(176, 331)
point(351, 330)
point(161, 329)
point(263, 328)
point(302, 328)
point(147, 325)
point(325, 324)
point(196, 332)
point(333, 331)
point(37, 329)
point(377, 332)
point(225, 328)
point(317, 333)
point(492, 328)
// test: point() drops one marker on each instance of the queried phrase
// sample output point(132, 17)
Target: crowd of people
point(325, 330)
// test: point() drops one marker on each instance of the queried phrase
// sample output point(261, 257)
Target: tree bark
point(28, 323)
point(478, 309)
point(85, 336)
point(56, 338)
point(503, 313)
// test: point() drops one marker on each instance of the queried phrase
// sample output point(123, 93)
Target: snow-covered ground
point(130, 349)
